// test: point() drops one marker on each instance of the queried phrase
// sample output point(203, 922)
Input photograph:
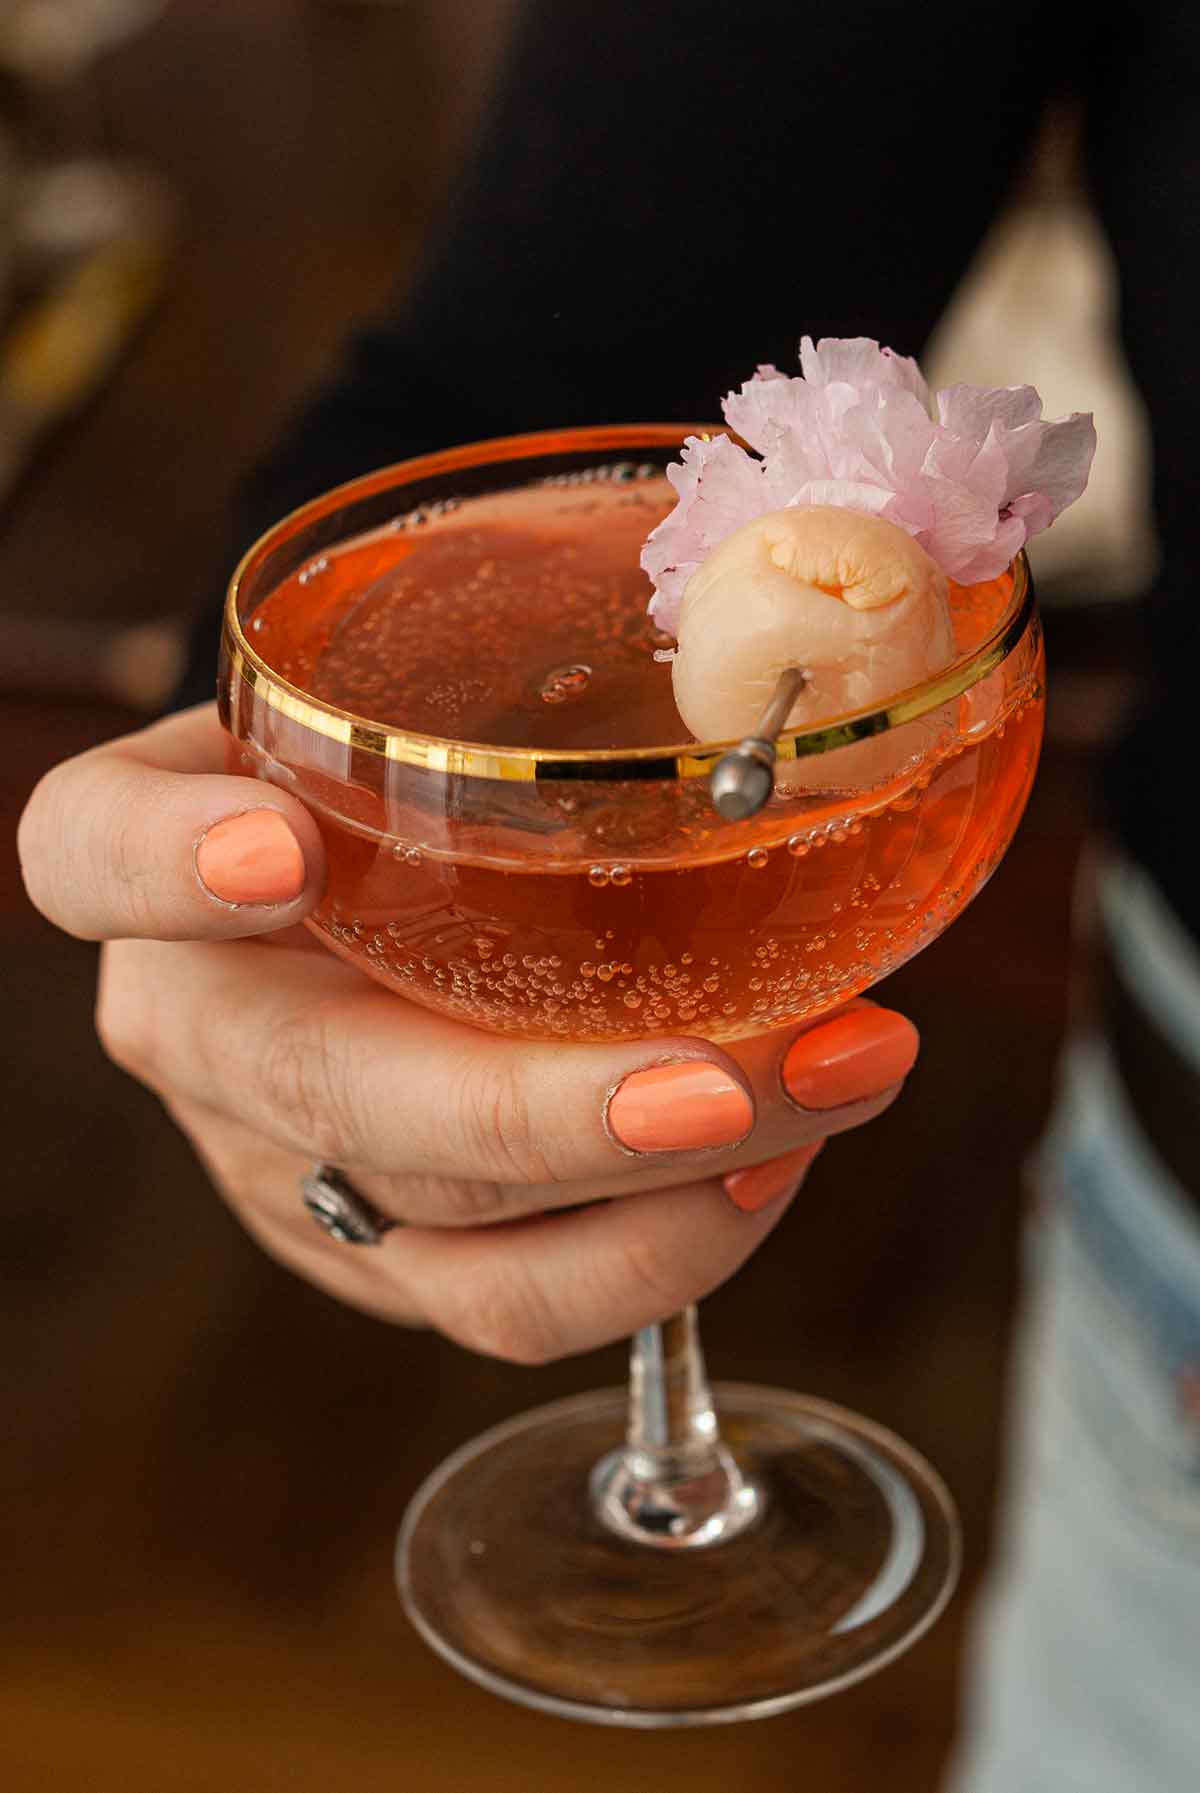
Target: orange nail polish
point(253, 858)
point(853, 1056)
point(680, 1108)
point(762, 1184)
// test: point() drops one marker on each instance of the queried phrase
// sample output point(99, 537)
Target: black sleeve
point(666, 193)
point(1144, 163)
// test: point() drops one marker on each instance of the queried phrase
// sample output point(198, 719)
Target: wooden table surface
point(204, 1460)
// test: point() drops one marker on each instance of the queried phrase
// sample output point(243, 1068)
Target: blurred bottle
point(83, 241)
point(84, 244)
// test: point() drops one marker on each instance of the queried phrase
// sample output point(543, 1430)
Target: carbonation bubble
point(757, 857)
point(620, 874)
point(565, 684)
point(598, 877)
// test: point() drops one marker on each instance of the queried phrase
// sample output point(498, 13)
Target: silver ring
point(336, 1205)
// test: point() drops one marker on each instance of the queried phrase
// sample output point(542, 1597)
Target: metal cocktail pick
point(744, 778)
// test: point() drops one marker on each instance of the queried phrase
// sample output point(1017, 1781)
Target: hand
point(498, 1155)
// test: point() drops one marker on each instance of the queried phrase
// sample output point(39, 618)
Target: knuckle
point(506, 1315)
point(125, 1023)
point(118, 860)
point(459, 1202)
point(656, 1274)
point(197, 1125)
point(308, 1086)
point(83, 847)
point(495, 1126)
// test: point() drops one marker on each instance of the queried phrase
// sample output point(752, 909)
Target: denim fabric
point(1085, 1676)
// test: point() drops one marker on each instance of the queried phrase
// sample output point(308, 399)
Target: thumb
point(149, 837)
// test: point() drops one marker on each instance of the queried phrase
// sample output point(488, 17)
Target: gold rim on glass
point(528, 765)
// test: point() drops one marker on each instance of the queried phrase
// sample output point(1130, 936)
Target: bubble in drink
point(565, 684)
point(578, 902)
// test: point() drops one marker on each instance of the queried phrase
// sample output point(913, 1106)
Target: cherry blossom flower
point(972, 480)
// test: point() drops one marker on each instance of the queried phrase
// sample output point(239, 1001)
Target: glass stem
point(673, 1484)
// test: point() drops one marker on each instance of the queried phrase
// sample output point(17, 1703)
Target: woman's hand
point(497, 1155)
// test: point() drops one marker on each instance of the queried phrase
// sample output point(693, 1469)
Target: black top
point(667, 192)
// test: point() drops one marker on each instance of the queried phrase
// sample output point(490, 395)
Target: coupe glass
point(673, 1554)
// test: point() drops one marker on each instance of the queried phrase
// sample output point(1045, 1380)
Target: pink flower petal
point(1053, 459)
point(845, 493)
point(1035, 511)
point(972, 410)
point(982, 466)
point(894, 434)
point(965, 525)
point(992, 558)
point(763, 406)
point(858, 361)
point(719, 488)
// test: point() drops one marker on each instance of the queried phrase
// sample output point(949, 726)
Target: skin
point(270, 1053)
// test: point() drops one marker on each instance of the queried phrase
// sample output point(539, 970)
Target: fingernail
point(680, 1108)
point(253, 858)
point(849, 1058)
point(762, 1184)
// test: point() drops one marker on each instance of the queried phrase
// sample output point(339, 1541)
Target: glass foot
point(506, 1571)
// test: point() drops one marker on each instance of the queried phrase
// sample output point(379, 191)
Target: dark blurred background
point(204, 1460)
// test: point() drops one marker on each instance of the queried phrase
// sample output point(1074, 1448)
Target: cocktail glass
point(673, 1554)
